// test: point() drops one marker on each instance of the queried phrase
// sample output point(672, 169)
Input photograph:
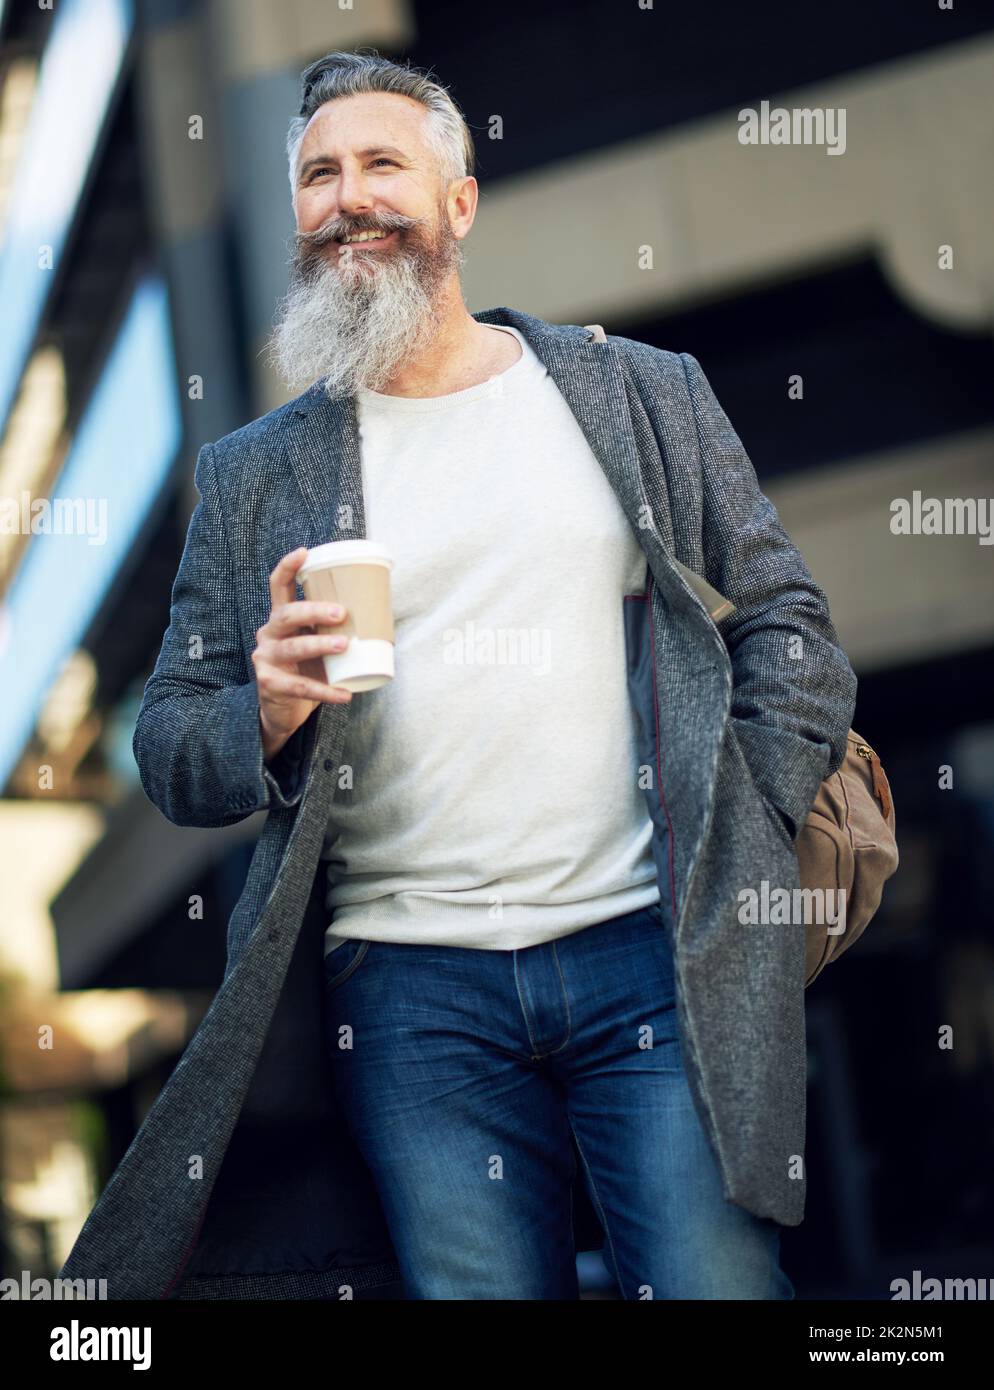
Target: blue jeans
point(462, 1073)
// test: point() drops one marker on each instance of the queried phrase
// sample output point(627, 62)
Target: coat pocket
point(777, 817)
point(782, 761)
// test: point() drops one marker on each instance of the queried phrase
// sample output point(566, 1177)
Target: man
point(530, 845)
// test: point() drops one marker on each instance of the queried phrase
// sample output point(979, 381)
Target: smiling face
point(368, 183)
point(357, 306)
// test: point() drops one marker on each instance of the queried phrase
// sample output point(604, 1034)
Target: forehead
point(366, 119)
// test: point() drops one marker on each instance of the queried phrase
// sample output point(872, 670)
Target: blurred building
point(842, 307)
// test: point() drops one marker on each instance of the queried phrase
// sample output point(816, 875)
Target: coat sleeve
point(794, 690)
point(197, 739)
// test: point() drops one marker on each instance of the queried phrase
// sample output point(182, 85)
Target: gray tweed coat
point(241, 1181)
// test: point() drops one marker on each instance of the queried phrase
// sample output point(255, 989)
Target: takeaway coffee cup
point(355, 574)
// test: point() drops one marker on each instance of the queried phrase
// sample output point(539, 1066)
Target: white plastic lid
point(359, 552)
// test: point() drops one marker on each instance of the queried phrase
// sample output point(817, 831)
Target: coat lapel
point(323, 451)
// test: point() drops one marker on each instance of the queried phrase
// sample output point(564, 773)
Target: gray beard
point(352, 323)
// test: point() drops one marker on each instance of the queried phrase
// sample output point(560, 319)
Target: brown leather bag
point(847, 844)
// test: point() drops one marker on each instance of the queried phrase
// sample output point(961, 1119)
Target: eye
point(383, 159)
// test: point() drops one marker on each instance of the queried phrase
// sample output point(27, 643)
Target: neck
point(459, 349)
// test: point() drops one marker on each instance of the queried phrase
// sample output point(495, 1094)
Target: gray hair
point(348, 74)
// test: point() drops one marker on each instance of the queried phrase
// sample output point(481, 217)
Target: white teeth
point(364, 236)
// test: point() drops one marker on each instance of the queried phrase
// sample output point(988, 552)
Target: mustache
point(339, 227)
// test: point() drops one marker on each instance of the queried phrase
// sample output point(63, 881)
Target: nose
point(353, 193)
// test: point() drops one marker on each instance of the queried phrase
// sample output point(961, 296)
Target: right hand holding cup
point(289, 672)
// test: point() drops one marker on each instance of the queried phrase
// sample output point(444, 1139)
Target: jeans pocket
point(343, 961)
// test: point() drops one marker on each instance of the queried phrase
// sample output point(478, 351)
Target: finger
point(282, 584)
point(287, 651)
point(287, 617)
point(275, 683)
